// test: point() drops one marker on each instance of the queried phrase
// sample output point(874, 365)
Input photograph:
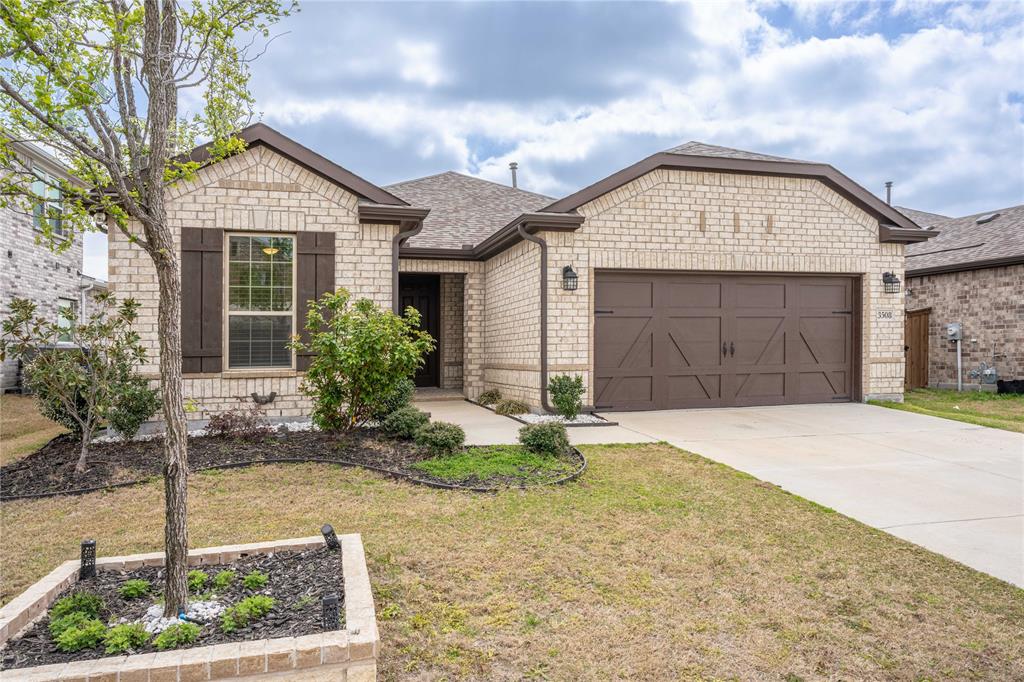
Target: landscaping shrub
point(511, 406)
point(255, 580)
point(197, 581)
point(134, 404)
point(245, 423)
point(249, 609)
point(53, 407)
point(71, 620)
point(404, 422)
point(133, 589)
point(401, 396)
point(80, 602)
point(86, 635)
point(223, 580)
point(489, 397)
point(548, 438)
point(441, 438)
point(362, 355)
point(177, 635)
point(567, 394)
point(125, 637)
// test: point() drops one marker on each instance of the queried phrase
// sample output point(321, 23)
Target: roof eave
point(891, 234)
point(502, 239)
point(389, 214)
point(964, 267)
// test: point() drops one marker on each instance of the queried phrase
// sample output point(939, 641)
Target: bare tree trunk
point(175, 439)
point(83, 453)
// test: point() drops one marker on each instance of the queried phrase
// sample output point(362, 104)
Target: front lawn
point(998, 411)
point(658, 564)
point(22, 428)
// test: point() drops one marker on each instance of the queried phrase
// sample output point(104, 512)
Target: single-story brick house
point(705, 277)
point(971, 273)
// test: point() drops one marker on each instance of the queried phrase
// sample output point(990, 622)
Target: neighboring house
point(971, 273)
point(30, 269)
point(698, 277)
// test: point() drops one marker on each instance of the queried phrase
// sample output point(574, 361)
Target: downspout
point(396, 242)
point(543, 313)
point(82, 291)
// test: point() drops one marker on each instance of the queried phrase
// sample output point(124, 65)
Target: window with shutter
point(261, 300)
point(202, 301)
point(314, 277)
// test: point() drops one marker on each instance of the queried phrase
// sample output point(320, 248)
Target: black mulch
point(297, 582)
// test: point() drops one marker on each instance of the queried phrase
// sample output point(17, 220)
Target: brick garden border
point(349, 654)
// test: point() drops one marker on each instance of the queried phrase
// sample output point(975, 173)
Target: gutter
point(521, 229)
point(404, 233)
point(965, 267)
point(507, 236)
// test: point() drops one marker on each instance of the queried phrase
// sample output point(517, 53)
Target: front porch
point(440, 300)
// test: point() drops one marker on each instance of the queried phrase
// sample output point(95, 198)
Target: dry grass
point(658, 565)
point(22, 428)
point(997, 411)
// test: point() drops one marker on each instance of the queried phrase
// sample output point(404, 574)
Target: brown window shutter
point(314, 268)
point(202, 300)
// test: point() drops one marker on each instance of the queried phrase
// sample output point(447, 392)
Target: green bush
point(441, 438)
point(404, 422)
point(511, 406)
point(400, 397)
point(567, 394)
point(177, 635)
point(548, 438)
point(255, 580)
point(489, 397)
point(362, 355)
point(71, 620)
point(86, 635)
point(53, 406)
point(80, 602)
point(197, 581)
point(249, 609)
point(134, 403)
point(126, 637)
point(133, 589)
point(223, 580)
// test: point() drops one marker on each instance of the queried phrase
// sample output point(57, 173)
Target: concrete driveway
point(954, 488)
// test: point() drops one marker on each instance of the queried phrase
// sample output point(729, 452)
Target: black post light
point(87, 566)
point(570, 280)
point(330, 619)
point(891, 283)
point(330, 537)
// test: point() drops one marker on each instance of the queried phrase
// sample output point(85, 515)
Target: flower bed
point(582, 419)
point(288, 638)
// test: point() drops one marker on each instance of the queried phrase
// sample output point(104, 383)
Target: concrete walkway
point(954, 488)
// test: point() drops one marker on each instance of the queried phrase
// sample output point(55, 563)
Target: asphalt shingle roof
point(962, 241)
point(464, 209)
point(922, 218)
point(694, 148)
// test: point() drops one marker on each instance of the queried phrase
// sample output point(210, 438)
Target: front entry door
point(423, 292)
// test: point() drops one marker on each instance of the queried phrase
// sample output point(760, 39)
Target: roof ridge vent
point(987, 218)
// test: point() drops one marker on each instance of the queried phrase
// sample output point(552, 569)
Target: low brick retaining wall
point(348, 655)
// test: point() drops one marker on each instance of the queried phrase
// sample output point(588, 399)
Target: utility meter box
point(954, 331)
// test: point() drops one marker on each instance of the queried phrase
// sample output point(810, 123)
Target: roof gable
point(694, 148)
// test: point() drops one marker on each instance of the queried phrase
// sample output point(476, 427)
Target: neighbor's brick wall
point(34, 272)
point(654, 223)
point(990, 305)
point(260, 191)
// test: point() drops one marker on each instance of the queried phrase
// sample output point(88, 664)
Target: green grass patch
point(495, 462)
point(994, 410)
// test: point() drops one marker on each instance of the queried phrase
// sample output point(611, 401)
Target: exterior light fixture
point(87, 566)
point(270, 250)
point(330, 537)
point(570, 280)
point(329, 618)
point(891, 283)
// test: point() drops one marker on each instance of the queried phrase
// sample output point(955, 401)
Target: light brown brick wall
point(452, 332)
point(257, 190)
point(989, 304)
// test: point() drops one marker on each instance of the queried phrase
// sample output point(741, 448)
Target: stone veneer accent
point(348, 655)
point(258, 190)
point(990, 305)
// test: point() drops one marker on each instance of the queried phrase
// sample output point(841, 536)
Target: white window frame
point(228, 313)
point(49, 185)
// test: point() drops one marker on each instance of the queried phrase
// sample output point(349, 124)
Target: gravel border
point(568, 425)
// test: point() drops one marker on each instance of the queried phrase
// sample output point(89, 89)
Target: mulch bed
point(51, 469)
point(297, 582)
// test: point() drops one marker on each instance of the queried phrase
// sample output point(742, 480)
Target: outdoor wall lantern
point(570, 280)
point(891, 283)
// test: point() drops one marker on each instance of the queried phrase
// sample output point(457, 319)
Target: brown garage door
point(666, 341)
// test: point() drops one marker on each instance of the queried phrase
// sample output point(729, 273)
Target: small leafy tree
point(363, 355)
point(567, 394)
point(87, 380)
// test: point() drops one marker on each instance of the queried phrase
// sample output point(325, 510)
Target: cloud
point(927, 95)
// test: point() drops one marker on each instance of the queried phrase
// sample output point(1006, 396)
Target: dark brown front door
point(423, 292)
point(916, 348)
point(667, 341)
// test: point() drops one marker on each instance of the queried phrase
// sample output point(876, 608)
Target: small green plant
point(441, 438)
point(404, 422)
point(71, 620)
point(135, 403)
point(489, 397)
point(133, 589)
point(510, 406)
point(80, 602)
point(86, 635)
point(177, 635)
point(126, 637)
point(197, 581)
point(249, 609)
point(223, 580)
point(548, 438)
point(399, 397)
point(255, 580)
point(567, 394)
